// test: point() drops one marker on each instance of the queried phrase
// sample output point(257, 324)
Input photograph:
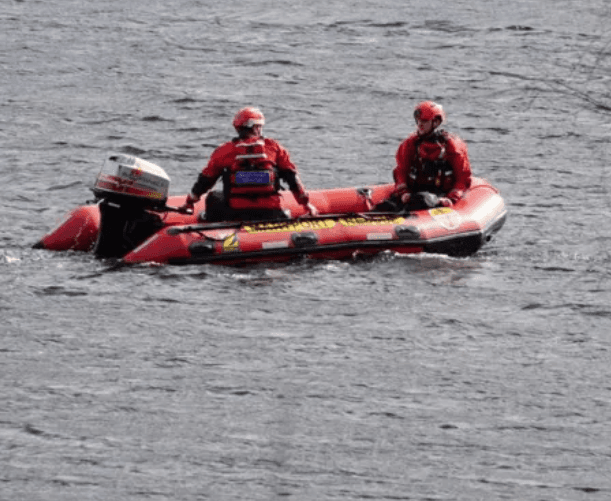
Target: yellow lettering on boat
point(288, 226)
point(371, 221)
point(231, 243)
point(446, 217)
point(440, 211)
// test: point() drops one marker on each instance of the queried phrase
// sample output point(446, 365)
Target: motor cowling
point(128, 179)
point(130, 192)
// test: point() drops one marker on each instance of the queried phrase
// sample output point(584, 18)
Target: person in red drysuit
point(433, 166)
point(252, 167)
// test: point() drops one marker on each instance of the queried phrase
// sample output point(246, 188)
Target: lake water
point(416, 378)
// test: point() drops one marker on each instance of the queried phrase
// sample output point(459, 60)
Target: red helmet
point(429, 110)
point(248, 117)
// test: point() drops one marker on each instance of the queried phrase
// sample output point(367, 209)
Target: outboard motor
point(130, 191)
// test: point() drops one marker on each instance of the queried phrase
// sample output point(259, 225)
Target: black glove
point(187, 207)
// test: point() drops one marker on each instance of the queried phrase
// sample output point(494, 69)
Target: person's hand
point(445, 202)
point(430, 199)
point(311, 209)
point(401, 194)
point(187, 207)
point(304, 199)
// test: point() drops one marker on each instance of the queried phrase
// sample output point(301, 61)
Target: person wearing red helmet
point(433, 167)
point(251, 167)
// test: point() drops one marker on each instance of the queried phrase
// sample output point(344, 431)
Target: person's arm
point(400, 172)
point(202, 185)
point(207, 177)
point(458, 158)
point(288, 172)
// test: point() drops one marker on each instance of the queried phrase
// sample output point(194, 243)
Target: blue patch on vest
point(249, 177)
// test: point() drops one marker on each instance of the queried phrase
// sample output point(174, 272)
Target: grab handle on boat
point(305, 239)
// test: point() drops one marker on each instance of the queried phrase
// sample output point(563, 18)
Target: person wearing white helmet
point(251, 167)
point(433, 167)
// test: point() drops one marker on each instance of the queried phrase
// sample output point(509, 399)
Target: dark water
point(421, 378)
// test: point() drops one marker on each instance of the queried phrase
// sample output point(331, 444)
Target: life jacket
point(252, 177)
point(430, 169)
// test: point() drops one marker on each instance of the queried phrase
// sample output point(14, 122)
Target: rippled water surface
point(420, 378)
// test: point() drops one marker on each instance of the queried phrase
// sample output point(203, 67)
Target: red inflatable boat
point(133, 220)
